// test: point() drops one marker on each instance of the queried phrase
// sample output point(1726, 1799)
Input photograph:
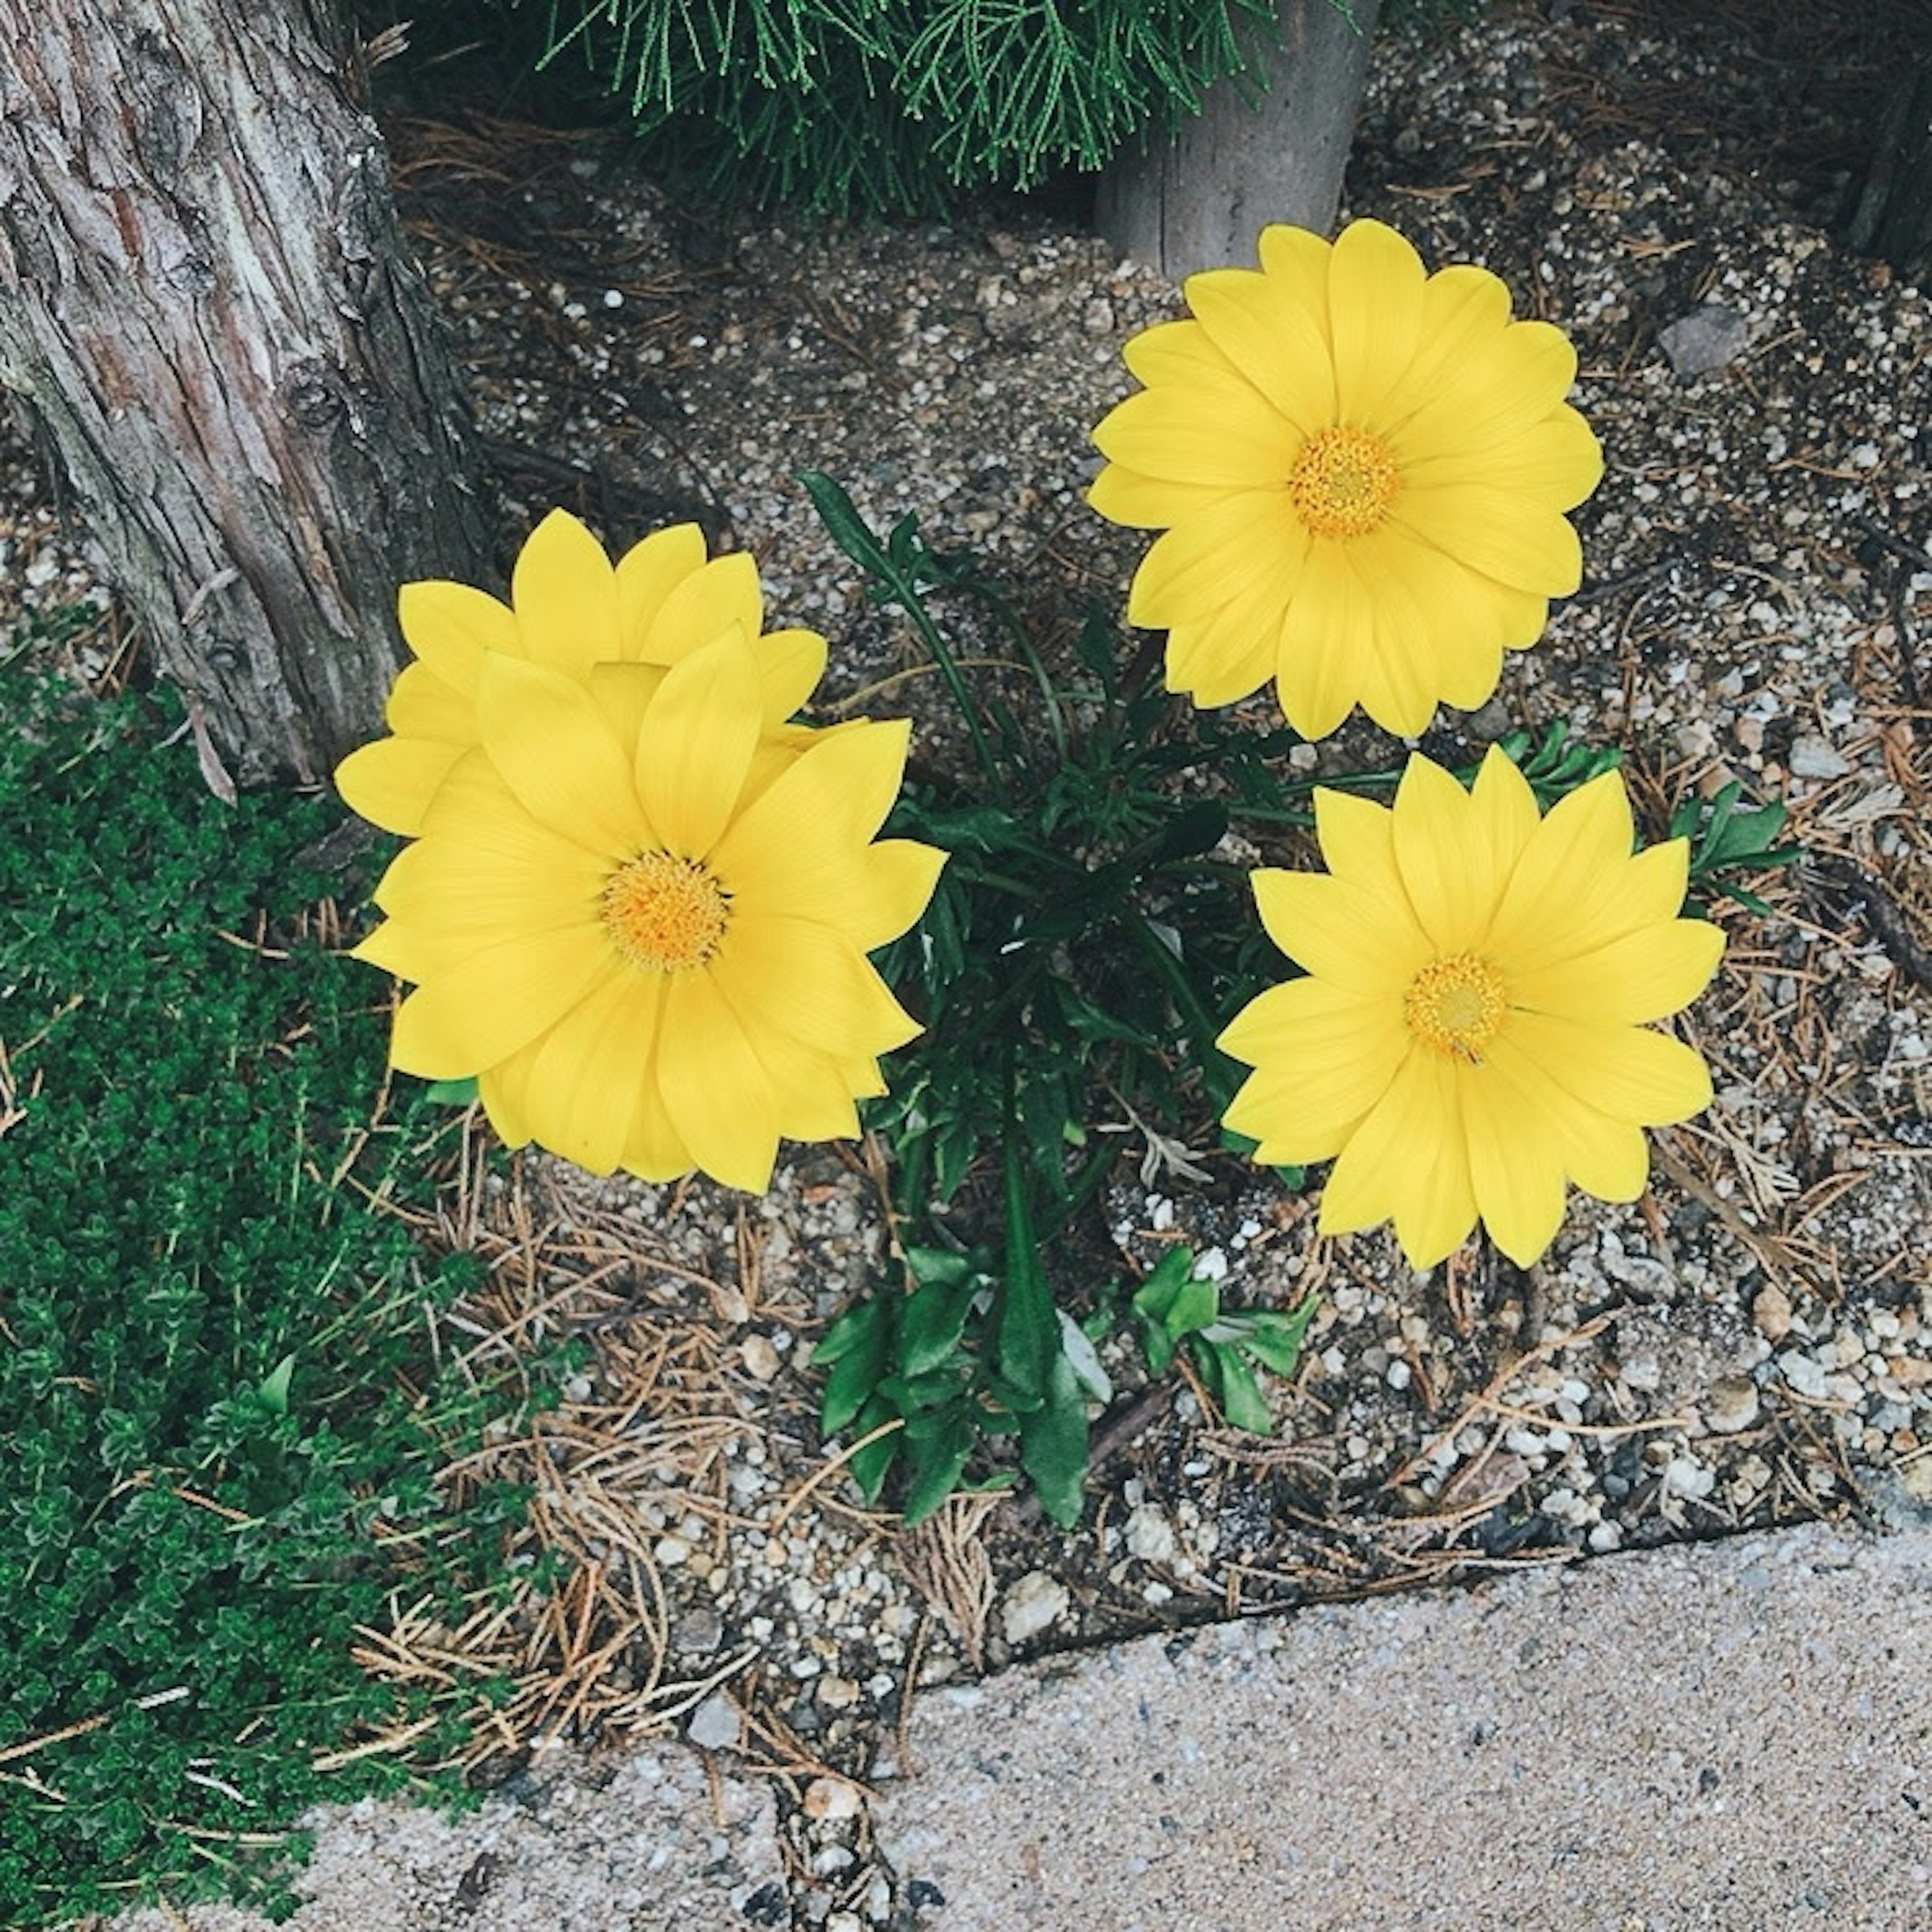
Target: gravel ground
point(1747, 1346)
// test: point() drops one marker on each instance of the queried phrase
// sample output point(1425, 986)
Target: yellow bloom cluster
point(637, 901)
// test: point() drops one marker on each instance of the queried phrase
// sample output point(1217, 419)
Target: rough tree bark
point(1892, 216)
point(1198, 201)
point(207, 307)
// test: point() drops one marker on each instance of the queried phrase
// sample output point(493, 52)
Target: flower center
point(665, 912)
point(1455, 1006)
point(1342, 483)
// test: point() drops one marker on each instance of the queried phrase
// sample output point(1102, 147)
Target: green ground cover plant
point(222, 1411)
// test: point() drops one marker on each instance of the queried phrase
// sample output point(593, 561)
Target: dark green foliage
point(1177, 1308)
point(1080, 954)
point(1727, 838)
point(1082, 951)
point(895, 105)
point(221, 1417)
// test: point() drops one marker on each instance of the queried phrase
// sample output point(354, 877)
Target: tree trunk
point(205, 303)
point(1199, 200)
point(1892, 217)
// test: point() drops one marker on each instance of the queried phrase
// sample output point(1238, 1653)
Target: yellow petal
point(1357, 840)
point(1457, 852)
point(1631, 1072)
point(1202, 436)
point(1498, 383)
point(1326, 638)
point(623, 693)
point(1556, 460)
point(654, 1150)
point(1222, 657)
point(790, 663)
point(1586, 836)
point(1514, 539)
point(1644, 975)
point(810, 982)
point(1182, 354)
point(832, 798)
point(1603, 1151)
point(1340, 931)
point(898, 878)
point(1464, 311)
point(1123, 496)
point(1536, 930)
point(1215, 557)
point(1324, 1058)
point(1375, 315)
point(582, 1086)
point(459, 897)
point(647, 573)
point(716, 1094)
point(696, 744)
point(449, 626)
point(393, 948)
point(566, 596)
point(391, 782)
point(422, 705)
point(1401, 1160)
point(1297, 261)
point(1265, 329)
point(814, 1103)
point(556, 751)
point(501, 1088)
point(706, 606)
point(1515, 1166)
point(481, 1010)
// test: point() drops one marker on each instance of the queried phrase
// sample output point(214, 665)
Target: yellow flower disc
point(1343, 483)
point(1454, 1006)
point(665, 912)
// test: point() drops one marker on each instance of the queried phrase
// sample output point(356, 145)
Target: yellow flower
point(1471, 1029)
point(570, 610)
point(642, 923)
point(1361, 472)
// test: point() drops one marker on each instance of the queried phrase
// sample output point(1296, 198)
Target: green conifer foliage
point(898, 105)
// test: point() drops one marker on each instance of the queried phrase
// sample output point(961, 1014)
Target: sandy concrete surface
point(629, 1844)
point(1737, 1736)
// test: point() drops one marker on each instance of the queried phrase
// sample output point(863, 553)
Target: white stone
point(1035, 1602)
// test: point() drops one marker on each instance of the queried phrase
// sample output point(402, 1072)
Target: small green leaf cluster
point(1726, 837)
point(222, 1420)
point(1177, 1308)
point(973, 1353)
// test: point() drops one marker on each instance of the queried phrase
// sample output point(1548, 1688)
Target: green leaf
point(1028, 1335)
point(857, 1373)
point(932, 1324)
point(1275, 1340)
point(871, 1465)
point(854, 1328)
point(935, 1466)
point(1234, 1387)
point(452, 1093)
point(844, 524)
point(273, 1392)
point(1053, 1446)
point(1197, 1305)
point(1165, 1280)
